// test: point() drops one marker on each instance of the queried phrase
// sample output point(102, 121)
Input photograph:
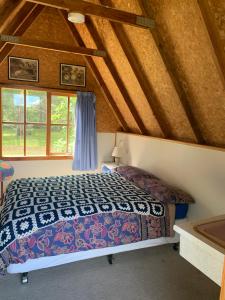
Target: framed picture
point(25, 69)
point(72, 75)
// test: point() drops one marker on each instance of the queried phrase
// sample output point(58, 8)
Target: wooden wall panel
point(122, 65)
point(218, 10)
point(154, 68)
point(49, 26)
point(109, 81)
point(192, 54)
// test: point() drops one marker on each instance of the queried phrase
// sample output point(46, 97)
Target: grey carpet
point(157, 273)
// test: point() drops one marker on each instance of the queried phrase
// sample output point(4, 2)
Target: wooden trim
point(174, 76)
point(59, 124)
point(116, 77)
point(91, 9)
point(48, 133)
point(222, 291)
point(97, 75)
point(54, 91)
point(221, 149)
point(217, 46)
point(0, 122)
point(142, 79)
point(10, 10)
point(27, 17)
point(17, 40)
point(68, 125)
point(21, 123)
point(47, 157)
point(25, 122)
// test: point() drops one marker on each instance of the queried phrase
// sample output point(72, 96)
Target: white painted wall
point(38, 168)
point(199, 170)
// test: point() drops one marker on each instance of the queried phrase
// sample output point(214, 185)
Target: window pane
point(35, 140)
point(73, 101)
point(12, 140)
point(36, 105)
point(12, 105)
point(58, 139)
point(71, 139)
point(59, 109)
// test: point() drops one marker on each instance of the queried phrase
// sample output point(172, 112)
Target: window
point(36, 123)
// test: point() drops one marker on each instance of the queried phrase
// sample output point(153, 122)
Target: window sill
point(50, 157)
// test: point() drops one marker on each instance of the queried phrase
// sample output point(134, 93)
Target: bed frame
point(51, 261)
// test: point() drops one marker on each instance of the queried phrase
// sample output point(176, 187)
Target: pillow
point(130, 172)
point(154, 186)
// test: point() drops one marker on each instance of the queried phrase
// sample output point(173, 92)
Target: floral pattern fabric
point(82, 234)
point(156, 187)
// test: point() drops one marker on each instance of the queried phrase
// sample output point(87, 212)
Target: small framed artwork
point(25, 69)
point(72, 75)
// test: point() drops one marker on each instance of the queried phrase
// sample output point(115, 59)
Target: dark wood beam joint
point(92, 9)
point(18, 40)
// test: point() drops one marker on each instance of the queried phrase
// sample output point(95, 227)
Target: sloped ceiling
point(167, 82)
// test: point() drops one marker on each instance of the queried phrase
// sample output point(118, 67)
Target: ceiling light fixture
point(76, 17)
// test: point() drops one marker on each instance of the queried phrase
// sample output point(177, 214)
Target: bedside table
point(107, 167)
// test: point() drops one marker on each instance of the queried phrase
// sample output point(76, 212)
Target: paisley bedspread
point(92, 231)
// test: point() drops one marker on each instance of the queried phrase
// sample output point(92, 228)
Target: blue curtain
point(85, 150)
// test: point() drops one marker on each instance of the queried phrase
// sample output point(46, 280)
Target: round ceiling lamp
point(76, 17)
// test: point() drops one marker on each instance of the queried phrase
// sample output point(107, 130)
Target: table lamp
point(6, 173)
point(117, 154)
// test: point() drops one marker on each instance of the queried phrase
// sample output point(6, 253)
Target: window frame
point(50, 92)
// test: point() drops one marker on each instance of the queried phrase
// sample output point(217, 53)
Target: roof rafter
point(90, 62)
point(145, 85)
point(92, 9)
point(10, 10)
point(24, 19)
point(219, 54)
point(116, 77)
point(17, 40)
point(193, 122)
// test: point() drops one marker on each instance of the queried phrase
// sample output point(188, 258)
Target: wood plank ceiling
point(162, 65)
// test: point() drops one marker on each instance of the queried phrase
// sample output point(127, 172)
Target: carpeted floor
point(157, 273)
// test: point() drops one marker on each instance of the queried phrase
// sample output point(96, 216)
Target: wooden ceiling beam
point(8, 13)
point(97, 75)
point(174, 75)
point(218, 50)
point(18, 40)
point(18, 21)
point(25, 19)
point(142, 79)
point(116, 77)
point(91, 9)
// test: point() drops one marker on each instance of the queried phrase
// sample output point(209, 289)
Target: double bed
point(51, 221)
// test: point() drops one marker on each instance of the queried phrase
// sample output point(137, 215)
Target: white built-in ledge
point(201, 252)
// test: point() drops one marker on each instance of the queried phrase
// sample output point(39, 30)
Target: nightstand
point(107, 167)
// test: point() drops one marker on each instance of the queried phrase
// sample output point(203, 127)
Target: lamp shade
point(116, 152)
point(6, 170)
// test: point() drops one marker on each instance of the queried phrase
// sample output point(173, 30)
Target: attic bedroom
point(112, 149)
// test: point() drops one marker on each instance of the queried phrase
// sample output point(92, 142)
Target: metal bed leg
point(176, 246)
point(110, 259)
point(24, 278)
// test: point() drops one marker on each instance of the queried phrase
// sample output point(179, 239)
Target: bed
point(51, 221)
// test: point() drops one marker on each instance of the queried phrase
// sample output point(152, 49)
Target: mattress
point(48, 217)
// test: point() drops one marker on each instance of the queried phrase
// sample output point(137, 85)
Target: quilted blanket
point(35, 203)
